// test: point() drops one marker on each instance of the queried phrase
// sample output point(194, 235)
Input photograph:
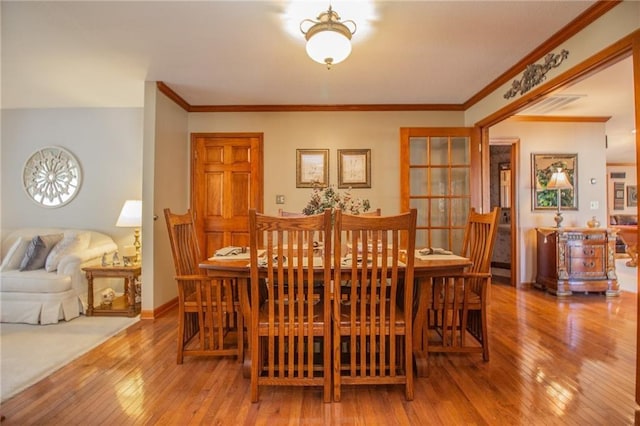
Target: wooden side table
point(124, 305)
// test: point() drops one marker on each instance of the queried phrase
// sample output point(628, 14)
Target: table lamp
point(559, 181)
point(131, 217)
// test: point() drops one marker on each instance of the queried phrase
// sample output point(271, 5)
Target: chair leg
point(485, 335)
point(181, 325)
point(408, 367)
point(255, 368)
point(336, 365)
point(240, 334)
point(327, 371)
point(463, 325)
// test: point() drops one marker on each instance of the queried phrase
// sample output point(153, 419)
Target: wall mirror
point(505, 184)
point(51, 177)
point(542, 168)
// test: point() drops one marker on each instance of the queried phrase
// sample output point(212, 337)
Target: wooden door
point(226, 181)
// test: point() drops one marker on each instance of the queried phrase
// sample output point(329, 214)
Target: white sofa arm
point(68, 264)
point(73, 261)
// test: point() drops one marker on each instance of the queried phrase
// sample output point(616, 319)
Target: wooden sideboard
point(577, 259)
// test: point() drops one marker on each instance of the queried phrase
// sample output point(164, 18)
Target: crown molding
point(171, 94)
point(314, 108)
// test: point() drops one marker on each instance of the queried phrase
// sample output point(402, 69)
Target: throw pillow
point(71, 243)
point(14, 255)
point(37, 251)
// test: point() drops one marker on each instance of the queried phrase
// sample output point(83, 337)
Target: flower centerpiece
point(329, 198)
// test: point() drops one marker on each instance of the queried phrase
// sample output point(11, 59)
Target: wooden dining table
point(425, 268)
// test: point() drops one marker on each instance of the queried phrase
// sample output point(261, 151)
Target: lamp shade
point(559, 180)
point(131, 214)
point(328, 47)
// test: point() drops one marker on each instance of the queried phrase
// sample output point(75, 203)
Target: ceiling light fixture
point(328, 38)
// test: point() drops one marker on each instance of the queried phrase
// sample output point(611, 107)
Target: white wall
point(107, 144)
point(584, 139)
point(285, 132)
point(167, 171)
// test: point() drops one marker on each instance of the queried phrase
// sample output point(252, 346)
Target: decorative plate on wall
point(51, 177)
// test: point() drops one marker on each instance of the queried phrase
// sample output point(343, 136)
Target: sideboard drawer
point(586, 267)
point(586, 250)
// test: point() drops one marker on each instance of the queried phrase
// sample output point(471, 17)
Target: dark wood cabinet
point(577, 259)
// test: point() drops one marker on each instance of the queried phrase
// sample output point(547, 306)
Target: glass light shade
point(131, 214)
point(328, 47)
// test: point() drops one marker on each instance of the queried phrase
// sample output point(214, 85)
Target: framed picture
point(632, 196)
point(618, 196)
point(543, 166)
point(354, 168)
point(312, 168)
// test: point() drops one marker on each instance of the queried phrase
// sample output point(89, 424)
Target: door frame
point(514, 143)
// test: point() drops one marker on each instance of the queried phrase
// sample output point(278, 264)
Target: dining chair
point(372, 307)
point(208, 307)
point(290, 331)
point(458, 307)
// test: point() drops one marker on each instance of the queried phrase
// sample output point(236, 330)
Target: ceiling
point(98, 54)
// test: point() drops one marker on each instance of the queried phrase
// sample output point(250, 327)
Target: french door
point(441, 178)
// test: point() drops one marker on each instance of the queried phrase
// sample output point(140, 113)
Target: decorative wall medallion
point(535, 74)
point(51, 177)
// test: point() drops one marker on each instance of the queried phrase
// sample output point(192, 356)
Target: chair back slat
point(184, 243)
point(479, 238)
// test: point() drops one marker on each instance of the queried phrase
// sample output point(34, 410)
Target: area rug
point(32, 352)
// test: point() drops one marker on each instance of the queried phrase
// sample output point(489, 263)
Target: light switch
point(279, 199)
point(594, 205)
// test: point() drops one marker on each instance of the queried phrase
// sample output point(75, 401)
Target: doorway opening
point(503, 166)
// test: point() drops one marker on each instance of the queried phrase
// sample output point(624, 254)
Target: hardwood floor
point(553, 361)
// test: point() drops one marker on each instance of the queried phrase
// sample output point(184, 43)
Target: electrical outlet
point(594, 205)
point(279, 199)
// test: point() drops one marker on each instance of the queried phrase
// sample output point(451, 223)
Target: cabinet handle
point(589, 264)
point(588, 252)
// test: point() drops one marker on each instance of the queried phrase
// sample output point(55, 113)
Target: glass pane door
point(436, 180)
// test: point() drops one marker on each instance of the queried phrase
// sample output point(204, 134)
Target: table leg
point(245, 311)
point(130, 289)
point(89, 294)
point(419, 339)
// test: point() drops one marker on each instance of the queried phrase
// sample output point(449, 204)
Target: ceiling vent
point(551, 104)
